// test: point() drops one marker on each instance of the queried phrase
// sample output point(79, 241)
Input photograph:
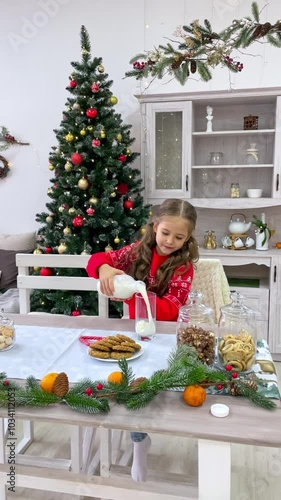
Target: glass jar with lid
point(195, 327)
point(7, 333)
point(237, 328)
point(216, 158)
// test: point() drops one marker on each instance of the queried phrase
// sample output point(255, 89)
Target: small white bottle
point(124, 286)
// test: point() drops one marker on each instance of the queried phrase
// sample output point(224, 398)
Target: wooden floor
point(256, 471)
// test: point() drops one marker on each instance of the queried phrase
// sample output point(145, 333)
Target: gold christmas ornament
point(62, 248)
point(101, 68)
point(84, 52)
point(69, 137)
point(128, 152)
point(36, 269)
point(61, 209)
point(143, 230)
point(67, 231)
point(150, 214)
point(103, 134)
point(119, 137)
point(72, 211)
point(113, 194)
point(83, 132)
point(68, 166)
point(113, 100)
point(93, 200)
point(76, 106)
point(51, 167)
point(90, 128)
point(116, 240)
point(49, 219)
point(83, 184)
point(85, 252)
point(108, 248)
point(37, 250)
point(50, 191)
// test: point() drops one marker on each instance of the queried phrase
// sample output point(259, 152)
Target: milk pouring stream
point(124, 287)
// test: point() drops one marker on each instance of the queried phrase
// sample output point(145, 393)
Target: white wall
point(39, 39)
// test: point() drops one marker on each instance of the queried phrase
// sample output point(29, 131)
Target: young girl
point(163, 260)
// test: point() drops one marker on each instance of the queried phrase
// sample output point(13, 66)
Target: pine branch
point(32, 383)
point(255, 12)
point(85, 404)
point(138, 401)
point(127, 371)
point(254, 396)
point(34, 397)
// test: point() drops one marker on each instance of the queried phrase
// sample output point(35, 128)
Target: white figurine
point(209, 118)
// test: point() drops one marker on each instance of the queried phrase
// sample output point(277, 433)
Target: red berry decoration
point(122, 188)
point(228, 368)
point(46, 271)
point(128, 204)
point(6, 382)
point(122, 158)
point(92, 113)
point(48, 249)
point(89, 391)
point(78, 221)
point(72, 84)
point(99, 387)
point(234, 375)
point(96, 143)
point(76, 313)
point(90, 211)
point(219, 387)
point(76, 158)
point(95, 87)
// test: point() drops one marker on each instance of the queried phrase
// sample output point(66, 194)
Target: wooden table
point(166, 415)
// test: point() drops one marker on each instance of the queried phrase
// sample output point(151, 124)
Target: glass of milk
point(145, 315)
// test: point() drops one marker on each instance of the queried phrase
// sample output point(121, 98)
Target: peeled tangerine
point(194, 395)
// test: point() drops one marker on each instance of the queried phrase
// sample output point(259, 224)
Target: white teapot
point(238, 224)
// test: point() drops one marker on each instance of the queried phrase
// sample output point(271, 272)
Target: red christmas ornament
point(234, 375)
point(122, 158)
point(219, 387)
point(90, 211)
point(76, 158)
point(122, 188)
point(228, 368)
point(96, 143)
point(89, 391)
point(6, 382)
point(72, 84)
point(78, 221)
point(128, 204)
point(92, 113)
point(76, 313)
point(46, 271)
point(48, 249)
point(95, 87)
point(99, 387)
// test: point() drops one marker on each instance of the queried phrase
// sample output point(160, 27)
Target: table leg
point(214, 470)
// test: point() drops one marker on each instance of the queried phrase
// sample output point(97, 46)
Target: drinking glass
point(145, 322)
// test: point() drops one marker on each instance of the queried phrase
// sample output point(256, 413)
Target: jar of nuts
point(7, 333)
point(195, 327)
point(237, 331)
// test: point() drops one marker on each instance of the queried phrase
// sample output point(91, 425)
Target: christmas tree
point(96, 201)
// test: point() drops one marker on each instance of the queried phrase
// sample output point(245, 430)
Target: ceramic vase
point(260, 239)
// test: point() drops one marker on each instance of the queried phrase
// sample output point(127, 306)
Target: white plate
point(109, 360)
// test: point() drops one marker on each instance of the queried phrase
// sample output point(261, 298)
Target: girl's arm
point(119, 259)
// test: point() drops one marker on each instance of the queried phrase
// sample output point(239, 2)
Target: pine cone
point(257, 32)
point(135, 384)
point(266, 27)
point(233, 389)
point(61, 385)
point(193, 66)
point(251, 384)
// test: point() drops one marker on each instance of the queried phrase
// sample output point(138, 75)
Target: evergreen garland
point(201, 49)
point(87, 396)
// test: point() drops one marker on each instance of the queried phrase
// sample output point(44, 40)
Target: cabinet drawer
point(257, 299)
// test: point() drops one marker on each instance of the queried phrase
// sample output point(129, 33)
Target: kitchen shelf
point(257, 165)
point(218, 133)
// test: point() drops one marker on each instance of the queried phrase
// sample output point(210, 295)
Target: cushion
point(25, 242)
point(9, 301)
point(9, 269)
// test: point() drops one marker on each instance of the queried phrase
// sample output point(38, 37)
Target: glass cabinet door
point(165, 161)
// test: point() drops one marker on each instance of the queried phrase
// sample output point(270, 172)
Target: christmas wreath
point(201, 49)
point(184, 371)
point(4, 170)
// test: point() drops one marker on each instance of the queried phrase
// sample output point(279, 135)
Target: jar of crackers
point(237, 332)
point(7, 333)
point(195, 327)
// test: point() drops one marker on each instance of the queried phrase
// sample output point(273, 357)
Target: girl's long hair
point(142, 253)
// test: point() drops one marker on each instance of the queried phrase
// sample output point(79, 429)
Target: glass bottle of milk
point(124, 286)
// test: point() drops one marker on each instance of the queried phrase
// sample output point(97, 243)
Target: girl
point(163, 260)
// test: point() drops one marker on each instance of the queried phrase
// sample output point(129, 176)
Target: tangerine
point(194, 395)
point(47, 382)
point(278, 245)
point(115, 377)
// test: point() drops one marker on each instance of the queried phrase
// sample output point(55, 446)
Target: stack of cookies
point(114, 347)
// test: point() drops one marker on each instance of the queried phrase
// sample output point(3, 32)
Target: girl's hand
point(106, 277)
